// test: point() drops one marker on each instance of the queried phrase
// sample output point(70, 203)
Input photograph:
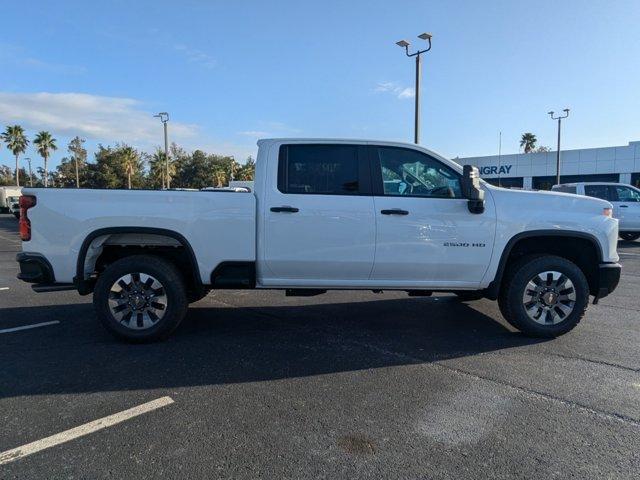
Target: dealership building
point(537, 171)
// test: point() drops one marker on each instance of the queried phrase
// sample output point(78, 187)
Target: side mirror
point(471, 189)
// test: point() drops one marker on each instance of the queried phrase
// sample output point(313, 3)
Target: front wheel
point(544, 296)
point(140, 298)
point(630, 236)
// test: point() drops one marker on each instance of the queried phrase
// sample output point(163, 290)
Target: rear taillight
point(607, 212)
point(26, 202)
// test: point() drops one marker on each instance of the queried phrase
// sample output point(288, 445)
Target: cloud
point(99, 118)
point(196, 56)
point(394, 88)
point(19, 57)
point(254, 134)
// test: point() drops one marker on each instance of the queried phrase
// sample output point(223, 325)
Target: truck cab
point(324, 214)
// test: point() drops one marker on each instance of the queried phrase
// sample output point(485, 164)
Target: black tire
point(468, 295)
point(17, 215)
point(515, 283)
point(630, 236)
point(172, 292)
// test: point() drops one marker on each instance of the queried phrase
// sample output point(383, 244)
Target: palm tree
point(17, 142)
point(45, 144)
point(528, 142)
point(130, 163)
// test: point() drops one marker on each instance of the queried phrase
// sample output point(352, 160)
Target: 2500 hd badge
point(464, 244)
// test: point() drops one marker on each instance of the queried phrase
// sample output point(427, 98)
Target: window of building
point(635, 179)
point(319, 169)
point(545, 183)
point(510, 182)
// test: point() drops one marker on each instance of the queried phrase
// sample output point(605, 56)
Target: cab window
point(409, 173)
point(625, 194)
point(320, 169)
point(597, 191)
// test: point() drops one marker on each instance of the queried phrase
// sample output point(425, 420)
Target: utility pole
point(499, 155)
point(30, 174)
point(164, 118)
point(404, 44)
point(559, 118)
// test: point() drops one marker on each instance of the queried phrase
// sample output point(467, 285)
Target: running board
point(52, 287)
point(303, 292)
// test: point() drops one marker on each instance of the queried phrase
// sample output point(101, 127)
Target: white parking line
point(28, 327)
point(82, 430)
point(632, 254)
point(4, 288)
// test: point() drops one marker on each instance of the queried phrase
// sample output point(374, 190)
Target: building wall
point(611, 163)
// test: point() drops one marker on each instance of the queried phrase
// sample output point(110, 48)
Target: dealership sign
point(495, 170)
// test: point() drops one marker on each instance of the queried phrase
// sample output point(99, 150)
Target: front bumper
point(608, 279)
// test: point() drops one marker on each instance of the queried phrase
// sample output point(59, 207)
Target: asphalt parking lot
point(344, 385)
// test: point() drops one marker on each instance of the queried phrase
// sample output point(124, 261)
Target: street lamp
point(30, 174)
point(559, 118)
point(164, 118)
point(404, 44)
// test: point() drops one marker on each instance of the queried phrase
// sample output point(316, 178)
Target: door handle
point(394, 211)
point(285, 209)
point(624, 206)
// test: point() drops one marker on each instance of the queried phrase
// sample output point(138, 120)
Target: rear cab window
point(597, 191)
point(323, 169)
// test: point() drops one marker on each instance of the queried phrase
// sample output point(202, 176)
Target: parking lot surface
point(343, 385)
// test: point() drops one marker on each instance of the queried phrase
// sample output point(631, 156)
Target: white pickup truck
point(324, 214)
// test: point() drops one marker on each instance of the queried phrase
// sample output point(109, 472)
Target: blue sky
point(230, 72)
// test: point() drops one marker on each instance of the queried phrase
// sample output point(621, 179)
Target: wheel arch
point(85, 285)
point(522, 239)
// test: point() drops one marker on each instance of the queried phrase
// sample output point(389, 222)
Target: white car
point(624, 198)
point(324, 214)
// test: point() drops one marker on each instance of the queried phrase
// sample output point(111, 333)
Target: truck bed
point(219, 226)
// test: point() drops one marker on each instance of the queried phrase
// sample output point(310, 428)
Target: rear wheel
point(140, 298)
point(544, 296)
point(630, 236)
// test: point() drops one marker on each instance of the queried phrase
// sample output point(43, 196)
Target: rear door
point(319, 225)
point(426, 235)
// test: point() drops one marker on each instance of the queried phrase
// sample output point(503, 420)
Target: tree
point(45, 144)
point(247, 171)
point(78, 155)
point(129, 159)
point(158, 169)
point(528, 142)
point(17, 142)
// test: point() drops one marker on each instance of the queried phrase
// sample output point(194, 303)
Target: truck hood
point(554, 203)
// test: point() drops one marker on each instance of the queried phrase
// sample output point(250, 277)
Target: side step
point(52, 287)
point(303, 292)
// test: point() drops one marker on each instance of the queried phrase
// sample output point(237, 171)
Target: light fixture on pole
point(404, 44)
point(559, 118)
point(164, 118)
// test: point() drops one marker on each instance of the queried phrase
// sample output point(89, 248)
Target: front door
point(626, 207)
point(426, 235)
point(319, 225)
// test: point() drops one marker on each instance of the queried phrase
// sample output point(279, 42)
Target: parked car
point(15, 208)
point(8, 196)
point(624, 198)
point(324, 214)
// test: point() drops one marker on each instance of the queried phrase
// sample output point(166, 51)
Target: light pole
point(559, 118)
point(164, 118)
point(404, 44)
point(30, 174)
